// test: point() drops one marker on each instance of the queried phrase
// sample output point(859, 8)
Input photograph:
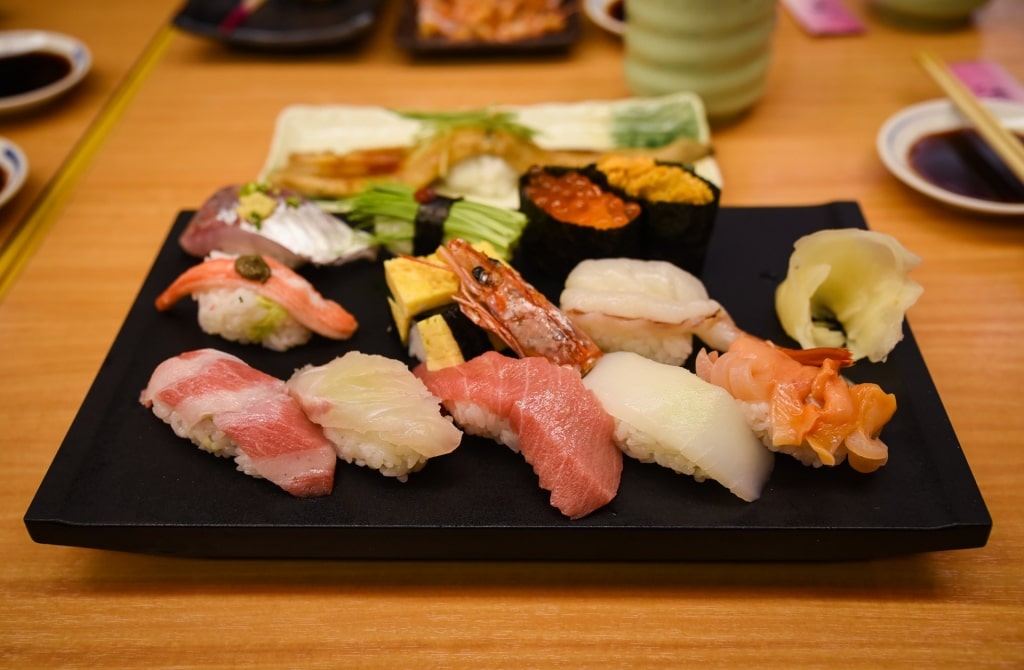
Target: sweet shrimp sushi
point(667, 415)
point(376, 412)
point(256, 299)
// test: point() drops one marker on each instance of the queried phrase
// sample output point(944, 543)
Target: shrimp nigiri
point(797, 402)
point(258, 299)
point(497, 298)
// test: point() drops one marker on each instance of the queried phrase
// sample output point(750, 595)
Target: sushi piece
point(375, 412)
point(797, 402)
point(543, 411)
point(446, 337)
point(648, 307)
point(679, 205)
point(665, 414)
point(572, 216)
point(255, 218)
point(232, 410)
point(256, 299)
point(495, 296)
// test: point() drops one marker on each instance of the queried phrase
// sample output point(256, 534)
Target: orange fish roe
point(573, 198)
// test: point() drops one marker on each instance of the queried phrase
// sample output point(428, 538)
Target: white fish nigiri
point(376, 412)
point(648, 307)
point(667, 415)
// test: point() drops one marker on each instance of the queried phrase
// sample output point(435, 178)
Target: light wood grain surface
point(203, 118)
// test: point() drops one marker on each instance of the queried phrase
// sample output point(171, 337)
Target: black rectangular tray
point(122, 480)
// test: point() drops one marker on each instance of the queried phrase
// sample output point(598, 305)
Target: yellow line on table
point(29, 234)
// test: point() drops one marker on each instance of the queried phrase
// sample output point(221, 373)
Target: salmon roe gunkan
point(574, 198)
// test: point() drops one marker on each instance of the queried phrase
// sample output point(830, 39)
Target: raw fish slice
point(543, 411)
point(797, 402)
point(375, 412)
point(283, 287)
point(296, 232)
point(667, 415)
point(230, 409)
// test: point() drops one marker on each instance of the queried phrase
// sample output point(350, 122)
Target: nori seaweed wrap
point(572, 216)
point(679, 205)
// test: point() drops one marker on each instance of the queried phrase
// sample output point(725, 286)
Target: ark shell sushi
point(375, 412)
point(232, 410)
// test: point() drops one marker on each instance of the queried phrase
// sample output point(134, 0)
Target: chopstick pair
point(1002, 141)
point(243, 10)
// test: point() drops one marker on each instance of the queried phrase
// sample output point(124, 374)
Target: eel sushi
point(255, 218)
point(543, 411)
point(232, 410)
point(667, 415)
point(375, 412)
point(256, 299)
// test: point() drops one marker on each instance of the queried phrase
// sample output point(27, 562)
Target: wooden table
point(203, 117)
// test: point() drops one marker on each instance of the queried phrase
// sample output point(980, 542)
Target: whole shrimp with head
point(497, 298)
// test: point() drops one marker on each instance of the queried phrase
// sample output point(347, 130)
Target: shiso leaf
point(848, 288)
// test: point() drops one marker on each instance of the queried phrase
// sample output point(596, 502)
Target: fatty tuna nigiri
point(232, 410)
point(375, 412)
point(258, 299)
point(543, 411)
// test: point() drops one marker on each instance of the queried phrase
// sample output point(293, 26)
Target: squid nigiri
point(252, 299)
point(797, 402)
point(665, 414)
point(229, 409)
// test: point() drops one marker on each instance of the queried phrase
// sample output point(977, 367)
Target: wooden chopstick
point(1002, 141)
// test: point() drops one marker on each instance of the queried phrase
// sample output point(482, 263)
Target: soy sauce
point(3, 179)
point(961, 162)
point(24, 72)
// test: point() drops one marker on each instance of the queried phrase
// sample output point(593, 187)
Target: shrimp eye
point(481, 275)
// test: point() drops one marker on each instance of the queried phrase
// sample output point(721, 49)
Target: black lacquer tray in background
point(122, 480)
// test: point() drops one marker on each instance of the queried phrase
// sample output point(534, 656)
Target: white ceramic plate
point(23, 41)
point(899, 133)
point(14, 166)
point(599, 12)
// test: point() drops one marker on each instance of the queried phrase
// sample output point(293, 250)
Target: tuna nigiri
point(665, 414)
point(797, 402)
point(543, 411)
point(232, 410)
point(375, 412)
point(258, 299)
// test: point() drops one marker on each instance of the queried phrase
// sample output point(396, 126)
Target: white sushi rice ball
point(667, 415)
point(244, 316)
point(647, 307)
